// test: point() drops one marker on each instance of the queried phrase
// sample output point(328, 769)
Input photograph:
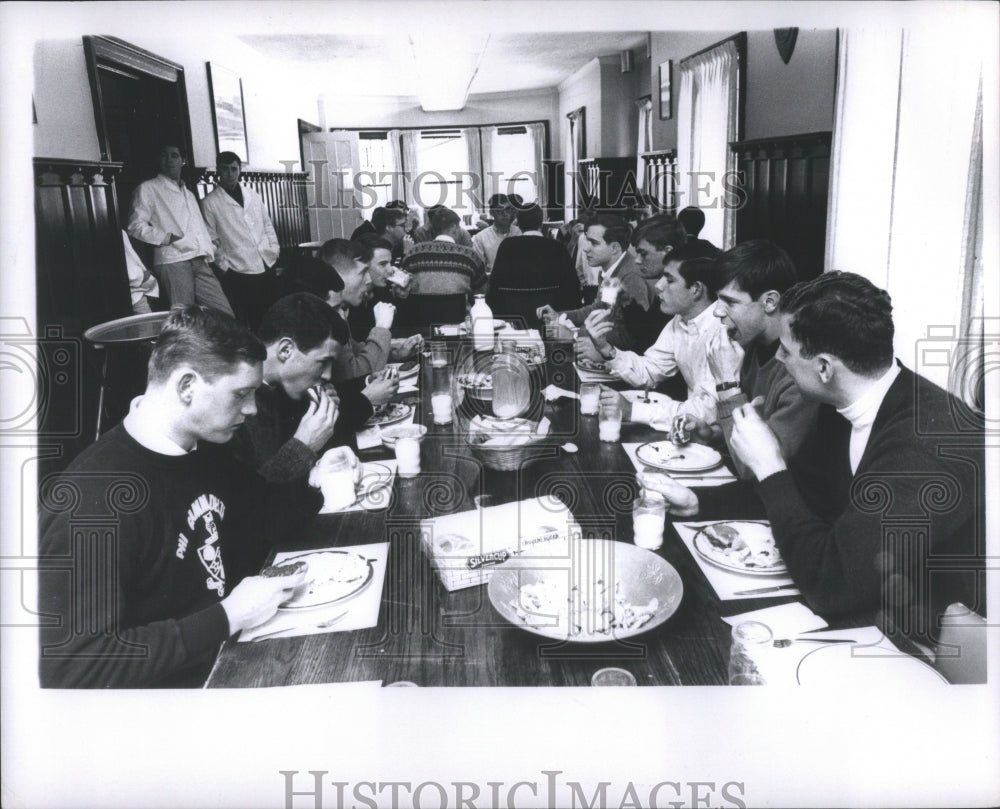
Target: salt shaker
point(750, 638)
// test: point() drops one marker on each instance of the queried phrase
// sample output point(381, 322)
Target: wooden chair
point(961, 651)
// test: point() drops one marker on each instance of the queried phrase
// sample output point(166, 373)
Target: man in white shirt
point(487, 242)
point(681, 347)
point(166, 215)
point(246, 246)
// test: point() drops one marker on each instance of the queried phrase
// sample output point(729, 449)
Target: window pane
point(514, 157)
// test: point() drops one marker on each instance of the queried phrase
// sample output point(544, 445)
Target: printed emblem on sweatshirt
point(204, 512)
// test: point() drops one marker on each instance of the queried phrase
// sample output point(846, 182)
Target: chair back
point(961, 651)
point(419, 312)
point(521, 304)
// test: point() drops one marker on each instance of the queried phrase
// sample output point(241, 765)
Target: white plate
point(843, 665)
point(634, 396)
point(594, 374)
point(392, 413)
point(758, 532)
point(404, 374)
point(685, 459)
point(343, 575)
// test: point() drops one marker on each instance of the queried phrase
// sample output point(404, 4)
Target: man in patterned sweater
point(444, 267)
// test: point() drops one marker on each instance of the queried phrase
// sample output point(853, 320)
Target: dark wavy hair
point(303, 318)
point(757, 266)
point(843, 314)
point(615, 229)
point(661, 233)
point(205, 339)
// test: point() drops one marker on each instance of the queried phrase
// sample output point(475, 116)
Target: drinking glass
point(441, 407)
point(610, 425)
point(649, 512)
point(439, 354)
point(590, 398)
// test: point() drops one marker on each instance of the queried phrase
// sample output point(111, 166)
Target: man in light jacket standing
point(246, 246)
point(166, 215)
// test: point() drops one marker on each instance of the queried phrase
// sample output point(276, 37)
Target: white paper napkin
point(372, 498)
point(362, 610)
point(372, 437)
point(725, 583)
point(409, 386)
point(713, 477)
point(593, 376)
point(552, 392)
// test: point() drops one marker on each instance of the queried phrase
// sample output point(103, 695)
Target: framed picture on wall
point(228, 117)
point(666, 99)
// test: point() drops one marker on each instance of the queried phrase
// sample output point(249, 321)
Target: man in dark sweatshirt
point(148, 539)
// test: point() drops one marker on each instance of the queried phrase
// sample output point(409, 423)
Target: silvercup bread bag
point(465, 547)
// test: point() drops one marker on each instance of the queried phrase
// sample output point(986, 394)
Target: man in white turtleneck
point(889, 479)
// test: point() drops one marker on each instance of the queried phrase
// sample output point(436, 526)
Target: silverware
point(760, 590)
point(322, 625)
point(783, 642)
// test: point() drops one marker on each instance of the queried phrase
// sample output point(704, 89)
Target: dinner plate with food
point(594, 369)
point(633, 396)
point(389, 413)
point(332, 576)
point(405, 370)
point(740, 546)
point(680, 459)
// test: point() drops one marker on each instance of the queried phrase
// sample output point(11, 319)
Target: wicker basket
point(510, 459)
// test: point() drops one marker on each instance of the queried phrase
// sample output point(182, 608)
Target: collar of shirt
point(143, 424)
point(698, 323)
point(862, 411)
point(236, 193)
point(610, 271)
point(532, 233)
point(174, 185)
point(444, 237)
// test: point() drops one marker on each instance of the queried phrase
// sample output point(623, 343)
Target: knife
point(760, 590)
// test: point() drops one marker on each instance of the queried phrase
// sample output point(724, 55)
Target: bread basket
point(485, 436)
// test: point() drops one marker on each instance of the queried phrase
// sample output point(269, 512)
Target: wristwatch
point(723, 386)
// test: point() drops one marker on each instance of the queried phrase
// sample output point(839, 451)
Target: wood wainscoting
point(785, 181)
point(80, 281)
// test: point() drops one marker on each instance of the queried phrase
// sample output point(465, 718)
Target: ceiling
point(382, 64)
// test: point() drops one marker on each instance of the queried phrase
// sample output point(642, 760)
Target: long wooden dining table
point(431, 637)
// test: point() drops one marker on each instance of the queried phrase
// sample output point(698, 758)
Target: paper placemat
point(409, 386)
point(726, 584)
point(785, 620)
point(372, 499)
point(872, 661)
point(362, 610)
point(713, 477)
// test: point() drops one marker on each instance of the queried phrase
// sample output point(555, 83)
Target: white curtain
point(399, 186)
point(537, 133)
point(491, 185)
point(645, 142)
point(473, 145)
point(575, 149)
point(707, 110)
point(408, 141)
point(903, 163)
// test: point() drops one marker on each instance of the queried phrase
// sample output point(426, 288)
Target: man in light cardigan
point(166, 215)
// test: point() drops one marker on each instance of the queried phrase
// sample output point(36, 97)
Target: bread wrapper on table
point(465, 547)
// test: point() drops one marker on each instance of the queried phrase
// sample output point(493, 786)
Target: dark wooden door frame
point(116, 54)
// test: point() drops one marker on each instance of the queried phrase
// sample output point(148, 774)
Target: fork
point(322, 625)
point(783, 642)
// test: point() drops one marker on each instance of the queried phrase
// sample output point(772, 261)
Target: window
point(376, 161)
point(511, 159)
